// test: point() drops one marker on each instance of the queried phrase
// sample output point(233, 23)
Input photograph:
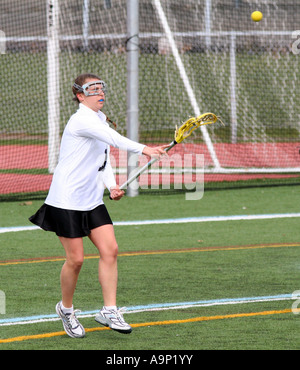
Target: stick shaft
point(144, 168)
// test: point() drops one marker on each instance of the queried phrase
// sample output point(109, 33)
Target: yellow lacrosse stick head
point(192, 123)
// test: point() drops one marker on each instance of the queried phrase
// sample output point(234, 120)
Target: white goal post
point(53, 51)
point(185, 79)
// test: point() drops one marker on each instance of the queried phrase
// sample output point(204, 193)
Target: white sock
point(110, 308)
point(66, 310)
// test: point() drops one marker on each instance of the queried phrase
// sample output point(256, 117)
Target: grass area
point(207, 273)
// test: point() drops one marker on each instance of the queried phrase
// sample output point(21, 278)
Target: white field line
point(174, 221)
point(151, 307)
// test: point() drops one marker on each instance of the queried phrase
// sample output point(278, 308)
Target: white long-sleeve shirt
point(77, 183)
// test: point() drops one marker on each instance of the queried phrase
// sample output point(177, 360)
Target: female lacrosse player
point(74, 206)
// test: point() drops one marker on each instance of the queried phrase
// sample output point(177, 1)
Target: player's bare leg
point(69, 276)
point(104, 239)
point(71, 268)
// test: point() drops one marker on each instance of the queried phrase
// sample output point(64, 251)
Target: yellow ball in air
point(257, 16)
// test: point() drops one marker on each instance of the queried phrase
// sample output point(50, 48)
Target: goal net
point(195, 56)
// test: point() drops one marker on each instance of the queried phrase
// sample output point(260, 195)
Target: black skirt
point(70, 223)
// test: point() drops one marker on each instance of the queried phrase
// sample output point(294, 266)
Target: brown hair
point(80, 80)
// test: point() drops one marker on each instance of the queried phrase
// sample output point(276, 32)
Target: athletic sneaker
point(114, 319)
point(70, 322)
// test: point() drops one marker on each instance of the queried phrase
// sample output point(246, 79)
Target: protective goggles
point(92, 88)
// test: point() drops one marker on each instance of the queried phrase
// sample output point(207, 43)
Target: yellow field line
point(33, 261)
point(157, 252)
point(154, 323)
point(209, 249)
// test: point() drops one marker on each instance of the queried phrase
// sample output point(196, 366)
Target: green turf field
point(171, 263)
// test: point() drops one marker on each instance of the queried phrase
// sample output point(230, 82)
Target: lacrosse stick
point(181, 133)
